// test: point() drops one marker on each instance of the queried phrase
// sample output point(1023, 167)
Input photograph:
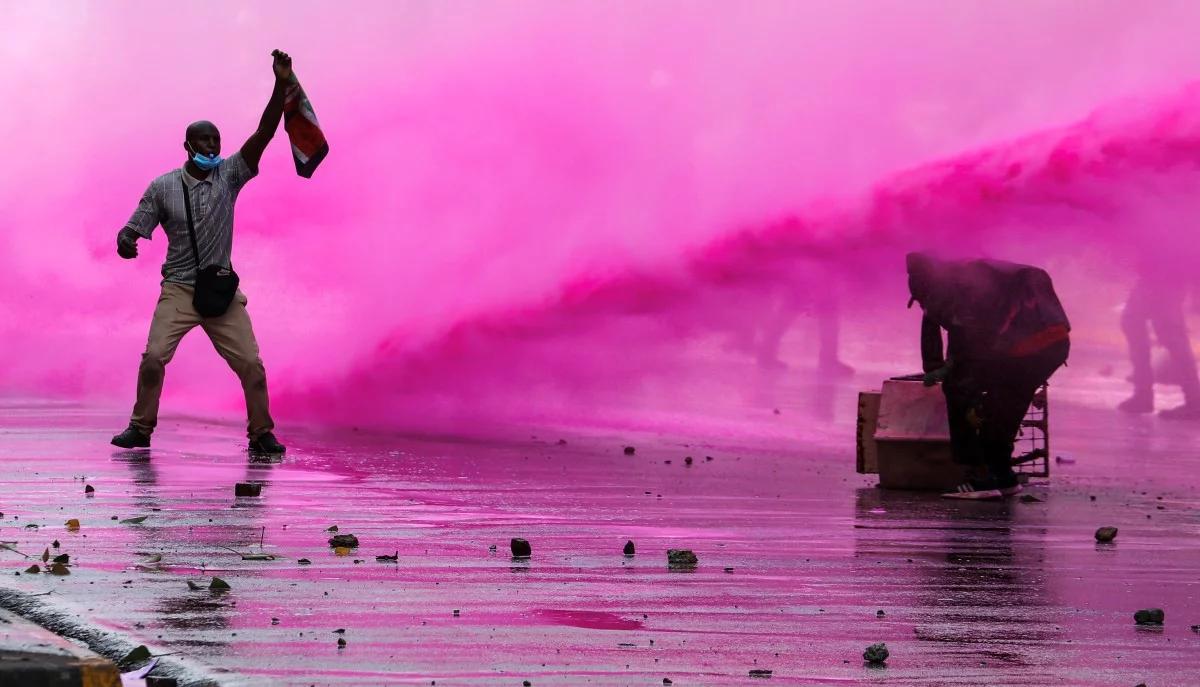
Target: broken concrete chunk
point(1106, 534)
point(1149, 616)
point(681, 558)
point(343, 540)
point(629, 548)
point(520, 548)
point(876, 654)
point(247, 489)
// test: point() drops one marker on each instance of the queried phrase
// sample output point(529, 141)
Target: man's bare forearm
point(255, 145)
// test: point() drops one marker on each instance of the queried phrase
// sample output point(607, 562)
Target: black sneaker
point(132, 437)
point(266, 443)
point(976, 491)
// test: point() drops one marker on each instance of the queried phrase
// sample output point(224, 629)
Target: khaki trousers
point(233, 338)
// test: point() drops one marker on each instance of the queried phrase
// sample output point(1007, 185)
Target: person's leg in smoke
point(961, 403)
point(780, 316)
point(1171, 330)
point(1006, 402)
point(829, 327)
point(173, 318)
point(1135, 321)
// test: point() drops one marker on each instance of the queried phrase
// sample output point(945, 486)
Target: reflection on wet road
point(798, 557)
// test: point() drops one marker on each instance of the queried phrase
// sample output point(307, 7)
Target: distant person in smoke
point(195, 204)
point(1006, 333)
point(1158, 299)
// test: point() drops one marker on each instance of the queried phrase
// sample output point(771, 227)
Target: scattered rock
point(193, 586)
point(687, 460)
point(389, 559)
point(341, 642)
point(681, 559)
point(340, 631)
point(72, 525)
point(526, 683)
point(1149, 616)
point(1106, 534)
point(1030, 498)
point(138, 655)
point(89, 489)
point(728, 570)
point(457, 613)
point(219, 585)
point(667, 681)
point(304, 561)
point(134, 521)
point(629, 548)
point(629, 450)
point(562, 442)
point(776, 411)
point(876, 654)
point(880, 613)
point(55, 544)
point(343, 540)
point(760, 673)
point(247, 489)
point(520, 548)
point(331, 528)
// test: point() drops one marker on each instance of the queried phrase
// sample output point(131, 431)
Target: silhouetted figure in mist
point(195, 205)
point(1006, 333)
point(1157, 299)
point(789, 304)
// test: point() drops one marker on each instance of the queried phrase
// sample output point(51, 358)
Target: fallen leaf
point(134, 521)
point(59, 569)
point(139, 654)
point(331, 529)
point(46, 555)
point(193, 586)
point(55, 544)
point(218, 584)
point(73, 525)
point(62, 558)
point(33, 569)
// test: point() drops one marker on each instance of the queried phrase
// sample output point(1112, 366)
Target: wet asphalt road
point(797, 555)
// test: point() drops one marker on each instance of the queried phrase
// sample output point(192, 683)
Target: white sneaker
point(972, 492)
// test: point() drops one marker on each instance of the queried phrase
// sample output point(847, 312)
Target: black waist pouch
point(215, 289)
point(215, 285)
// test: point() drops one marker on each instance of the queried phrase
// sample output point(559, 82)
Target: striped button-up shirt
point(212, 213)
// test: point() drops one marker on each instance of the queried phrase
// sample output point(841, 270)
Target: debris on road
point(520, 548)
point(876, 654)
point(1106, 534)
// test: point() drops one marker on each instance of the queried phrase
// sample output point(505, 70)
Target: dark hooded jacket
point(990, 309)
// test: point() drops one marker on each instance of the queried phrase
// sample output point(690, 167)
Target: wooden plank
point(867, 462)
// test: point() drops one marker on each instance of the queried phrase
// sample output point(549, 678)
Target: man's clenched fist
point(127, 244)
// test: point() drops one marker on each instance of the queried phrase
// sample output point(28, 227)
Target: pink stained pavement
point(797, 554)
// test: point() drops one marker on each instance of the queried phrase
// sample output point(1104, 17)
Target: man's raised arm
point(254, 146)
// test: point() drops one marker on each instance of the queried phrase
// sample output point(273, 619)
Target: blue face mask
point(205, 162)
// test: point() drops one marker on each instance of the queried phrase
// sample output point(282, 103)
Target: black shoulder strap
point(187, 204)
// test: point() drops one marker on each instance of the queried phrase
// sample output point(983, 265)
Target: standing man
point(1006, 333)
point(212, 185)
